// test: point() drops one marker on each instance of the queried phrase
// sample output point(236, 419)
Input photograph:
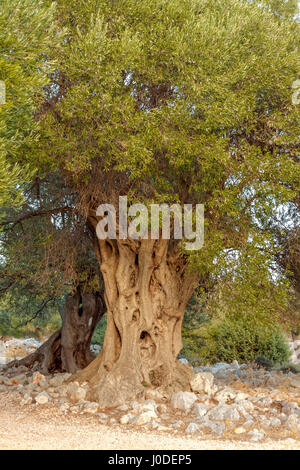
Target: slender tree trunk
point(38, 330)
point(68, 349)
point(146, 292)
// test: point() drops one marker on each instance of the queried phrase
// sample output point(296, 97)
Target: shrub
point(98, 336)
point(245, 339)
point(192, 330)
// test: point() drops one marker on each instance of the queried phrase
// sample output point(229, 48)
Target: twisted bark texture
point(146, 292)
point(68, 349)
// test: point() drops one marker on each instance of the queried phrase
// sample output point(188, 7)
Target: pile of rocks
point(247, 374)
point(295, 349)
point(223, 402)
point(14, 348)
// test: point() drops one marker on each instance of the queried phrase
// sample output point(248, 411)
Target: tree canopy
point(182, 101)
point(27, 32)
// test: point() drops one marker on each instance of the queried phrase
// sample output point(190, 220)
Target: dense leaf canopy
point(185, 101)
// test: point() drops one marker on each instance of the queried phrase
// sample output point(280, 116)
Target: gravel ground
point(46, 428)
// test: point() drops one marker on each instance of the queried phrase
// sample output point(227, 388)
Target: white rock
point(95, 348)
point(62, 390)
point(42, 398)
point(134, 405)
point(265, 423)
point(241, 396)
point(225, 395)
point(148, 405)
point(144, 418)
point(154, 425)
point(220, 367)
point(192, 428)
point(5, 380)
point(239, 430)
point(58, 379)
point(125, 419)
point(290, 407)
point(293, 423)
point(222, 412)
point(177, 424)
point(249, 423)
point(246, 404)
point(37, 377)
point(216, 428)
point(91, 407)
point(122, 408)
point(184, 361)
point(183, 400)
point(264, 401)
point(155, 395)
point(64, 407)
point(200, 409)
point(275, 422)
point(75, 392)
point(162, 408)
point(43, 384)
point(74, 409)
point(18, 348)
point(243, 412)
point(27, 400)
point(295, 382)
point(203, 382)
point(256, 435)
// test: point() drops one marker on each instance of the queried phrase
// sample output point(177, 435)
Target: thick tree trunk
point(146, 292)
point(68, 349)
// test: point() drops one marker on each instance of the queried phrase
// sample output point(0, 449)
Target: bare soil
point(44, 427)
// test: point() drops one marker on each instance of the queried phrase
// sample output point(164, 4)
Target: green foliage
point(247, 284)
point(187, 98)
point(18, 316)
point(26, 34)
point(10, 178)
point(195, 319)
point(281, 8)
point(98, 336)
point(244, 294)
point(245, 339)
point(290, 367)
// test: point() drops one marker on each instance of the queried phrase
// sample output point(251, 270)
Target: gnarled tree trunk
point(146, 292)
point(68, 349)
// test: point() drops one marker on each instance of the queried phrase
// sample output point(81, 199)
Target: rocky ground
point(228, 403)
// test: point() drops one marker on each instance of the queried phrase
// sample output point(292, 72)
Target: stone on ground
point(42, 398)
point(75, 392)
point(192, 428)
point(183, 400)
point(203, 383)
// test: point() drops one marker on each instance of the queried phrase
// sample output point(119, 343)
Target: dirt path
point(46, 428)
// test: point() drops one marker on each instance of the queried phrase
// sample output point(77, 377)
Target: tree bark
point(147, 288)
point(68, 349)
